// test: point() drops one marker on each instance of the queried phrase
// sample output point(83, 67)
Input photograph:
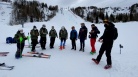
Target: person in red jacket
point(93, 35)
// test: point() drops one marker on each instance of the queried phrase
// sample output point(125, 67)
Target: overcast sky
point(66, 3)
point(99, 3)
point(62, 3)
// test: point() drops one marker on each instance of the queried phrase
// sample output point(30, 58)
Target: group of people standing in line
point(106, 39)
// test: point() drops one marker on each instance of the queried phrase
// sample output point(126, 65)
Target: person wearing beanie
point(34, 37)
point(52, 35)
point(63, 35)
point(43, 33)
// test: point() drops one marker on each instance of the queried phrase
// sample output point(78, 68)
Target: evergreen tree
point(97, 19)
point(112, 18)
point(106, 16)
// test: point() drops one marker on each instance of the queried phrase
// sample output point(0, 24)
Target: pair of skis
point(3, 66)
point(36, 54)
point(4, 53)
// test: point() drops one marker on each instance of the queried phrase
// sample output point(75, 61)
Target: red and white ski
point(39, 53)
point(38, 56)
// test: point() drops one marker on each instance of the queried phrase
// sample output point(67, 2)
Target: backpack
point(9, 40)
point(115, 33)
point(13, 40)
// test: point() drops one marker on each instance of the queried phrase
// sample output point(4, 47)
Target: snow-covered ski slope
point(70, 63)
point(5, 11)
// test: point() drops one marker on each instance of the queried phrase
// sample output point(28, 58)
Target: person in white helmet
point(20, 39)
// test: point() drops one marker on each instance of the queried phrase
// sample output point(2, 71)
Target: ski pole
point(21, 39)
point(28, 41)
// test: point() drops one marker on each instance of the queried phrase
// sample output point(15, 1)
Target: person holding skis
point(43, 33)
point(20, 38)
point(73, 37)
point(93, 35)
point(52, 35)
point(34, 37)
point(107, 39)
point(63, 35)
point(82, 36)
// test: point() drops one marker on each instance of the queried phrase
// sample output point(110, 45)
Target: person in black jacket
point(52, 35)
point(82, 36)
point(34, 37)
point(107, 40)
point(43, 34)
point(93, 35)
point(20, 38)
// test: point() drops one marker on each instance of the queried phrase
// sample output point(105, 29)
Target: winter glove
point(28, 37)
point(89, 36)
point(70, 38)
point(100, 40)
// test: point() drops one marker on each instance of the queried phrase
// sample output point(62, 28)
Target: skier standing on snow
point(34, 37)
point(63, 35)
point(52, 35)
point(82, 36)
point(73, 37)
point(43, 33)
point(93, 35)
point(107, 39)
point(20, 38)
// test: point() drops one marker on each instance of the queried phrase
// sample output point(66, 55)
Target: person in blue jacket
point(73, 37)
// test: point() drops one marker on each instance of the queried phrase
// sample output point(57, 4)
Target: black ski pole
point(28, 40)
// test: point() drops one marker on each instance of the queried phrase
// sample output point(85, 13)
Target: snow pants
point(82, 43)
point(63, 41)
point(20, 47)
point(34, 43)
point(73, 41)
point(92, 41)
point(52, 41)
point(43, 42)
point(106, 46)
